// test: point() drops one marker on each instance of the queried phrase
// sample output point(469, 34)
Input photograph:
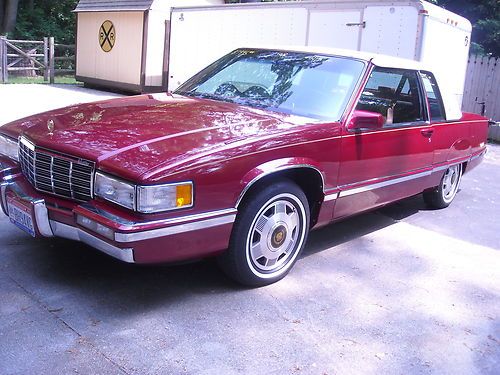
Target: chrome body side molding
point(331, 197)
point(378, 185)
point(177, 229)
point(132, 225)
point(396, 180)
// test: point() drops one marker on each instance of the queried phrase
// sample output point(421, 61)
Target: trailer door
point(390, 30)
point(338, 29)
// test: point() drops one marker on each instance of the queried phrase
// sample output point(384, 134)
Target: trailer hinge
point(362, 24)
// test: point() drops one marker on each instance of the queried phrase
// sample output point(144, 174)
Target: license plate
point(21, 216)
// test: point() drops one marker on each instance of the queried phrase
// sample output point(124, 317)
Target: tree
point(485, 18)
point(39, 18)
point(8, 15)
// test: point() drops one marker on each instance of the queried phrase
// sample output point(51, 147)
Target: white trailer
point(411, 29)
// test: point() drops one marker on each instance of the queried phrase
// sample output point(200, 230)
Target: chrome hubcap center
point(278, 237)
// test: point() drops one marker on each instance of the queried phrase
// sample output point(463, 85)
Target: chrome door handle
point(427, 132)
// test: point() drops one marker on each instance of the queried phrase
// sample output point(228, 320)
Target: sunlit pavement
point(402, 290)
point(21, 100)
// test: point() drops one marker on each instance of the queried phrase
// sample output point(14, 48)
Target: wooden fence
point(482, 87)
point(33, 56)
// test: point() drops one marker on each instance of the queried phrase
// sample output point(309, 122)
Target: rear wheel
point(269, 233)
point(447, 189)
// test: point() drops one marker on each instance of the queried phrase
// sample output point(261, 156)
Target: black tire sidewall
point(235, 261)
point(435, 198)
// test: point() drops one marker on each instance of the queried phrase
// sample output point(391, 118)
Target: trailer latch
point(363, 24)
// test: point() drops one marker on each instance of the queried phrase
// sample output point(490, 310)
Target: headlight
point(115, 190)
point(9, 147)
point(150, 199)
point(166, 197)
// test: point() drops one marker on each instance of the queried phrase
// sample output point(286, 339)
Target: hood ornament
point(50, 126)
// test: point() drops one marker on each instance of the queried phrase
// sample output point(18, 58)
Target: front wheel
point(444, 194)
point(268, 235)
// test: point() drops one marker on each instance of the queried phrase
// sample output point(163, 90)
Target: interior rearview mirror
point(365, 120)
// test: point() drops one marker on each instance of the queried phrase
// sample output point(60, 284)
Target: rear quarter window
point(436, 108)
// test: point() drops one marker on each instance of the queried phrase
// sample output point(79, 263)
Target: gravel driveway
point(402, 290)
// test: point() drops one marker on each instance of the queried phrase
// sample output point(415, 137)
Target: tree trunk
point(2, 13)
point(10, 16)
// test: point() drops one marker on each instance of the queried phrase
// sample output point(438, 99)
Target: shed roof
point(116, 5)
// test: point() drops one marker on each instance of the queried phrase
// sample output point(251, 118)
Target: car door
point(451, 139)
point(392, 162)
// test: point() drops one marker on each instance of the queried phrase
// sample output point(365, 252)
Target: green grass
point(38, 79)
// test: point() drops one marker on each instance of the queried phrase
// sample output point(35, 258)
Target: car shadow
point(357, 226)
point(76, 265)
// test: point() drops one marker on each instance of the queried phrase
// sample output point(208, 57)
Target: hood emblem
point(50, 126)
point(96, 116)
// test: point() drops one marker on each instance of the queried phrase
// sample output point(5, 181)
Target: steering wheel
point(256, 92)
point(227, 90)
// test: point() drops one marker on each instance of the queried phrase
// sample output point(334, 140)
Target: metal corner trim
point(42, 218)
point(76, 234)
point(3, 197)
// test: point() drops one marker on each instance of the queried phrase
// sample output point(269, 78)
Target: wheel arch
point(303, 172)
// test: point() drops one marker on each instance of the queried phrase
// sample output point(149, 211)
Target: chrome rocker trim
point(479, 155)
point(392, 181)
point(378, 185)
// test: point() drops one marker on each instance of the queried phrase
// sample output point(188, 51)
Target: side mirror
point(365, 120)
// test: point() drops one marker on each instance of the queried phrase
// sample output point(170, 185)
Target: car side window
point(395, 94)
point(434, 99)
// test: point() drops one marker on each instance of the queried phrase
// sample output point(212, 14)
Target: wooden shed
point(123, 44)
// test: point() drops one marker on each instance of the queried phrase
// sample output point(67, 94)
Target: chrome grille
point(56, 174)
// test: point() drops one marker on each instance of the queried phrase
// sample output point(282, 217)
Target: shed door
point(337, 29)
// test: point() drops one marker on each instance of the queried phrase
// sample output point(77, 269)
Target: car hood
point(134, 135)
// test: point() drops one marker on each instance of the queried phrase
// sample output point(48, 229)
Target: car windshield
point(309, 85)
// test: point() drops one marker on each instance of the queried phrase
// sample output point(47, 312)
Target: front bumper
point(132, 241)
